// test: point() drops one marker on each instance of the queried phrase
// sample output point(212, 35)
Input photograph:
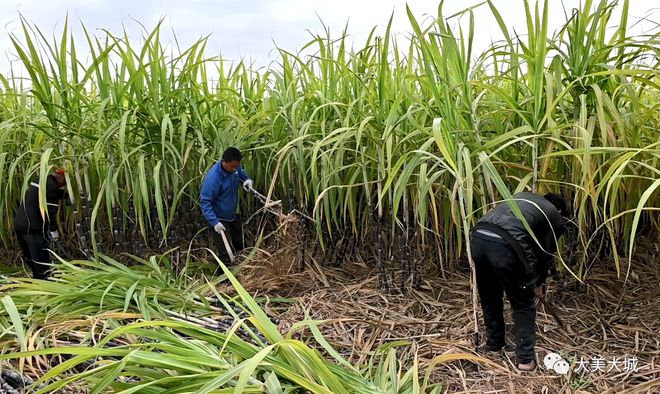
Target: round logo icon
point(561, 367)
point(555, 362)
point(550, 360)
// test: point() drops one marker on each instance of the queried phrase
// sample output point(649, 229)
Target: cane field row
point(427, 134)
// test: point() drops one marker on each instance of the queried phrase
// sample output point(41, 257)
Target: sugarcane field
point(435, 198)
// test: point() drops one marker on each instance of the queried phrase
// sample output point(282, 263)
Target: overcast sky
point(249, 28)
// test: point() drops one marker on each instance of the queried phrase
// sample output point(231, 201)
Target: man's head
point(231, 159)
point(559, 202)
point(60, 177)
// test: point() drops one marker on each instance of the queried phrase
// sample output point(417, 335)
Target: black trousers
point(497, 267)
point(234, 235)
point(37, 257)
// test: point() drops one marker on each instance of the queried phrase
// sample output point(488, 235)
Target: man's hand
point(539, 291)
point(54, 236)
point(247, 185)
point(219, 228)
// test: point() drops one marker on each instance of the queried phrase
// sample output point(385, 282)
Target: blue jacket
point(219, 196)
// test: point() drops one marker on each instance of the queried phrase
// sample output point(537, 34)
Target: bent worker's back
point(543, 219)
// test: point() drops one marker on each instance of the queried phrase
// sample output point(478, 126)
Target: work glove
point(247, 185)
point(54, 236)
point(219, 228)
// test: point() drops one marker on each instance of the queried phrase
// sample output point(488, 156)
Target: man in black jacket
point(34, 230)
point(509, 260)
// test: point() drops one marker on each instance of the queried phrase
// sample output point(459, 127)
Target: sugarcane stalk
point(466, 229)
point(418, 259)
point(303, 244)
point(382, 276)
point(83, 225)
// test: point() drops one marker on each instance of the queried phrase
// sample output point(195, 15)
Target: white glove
point(219, 227)
point(54, 236)
point(247, 185)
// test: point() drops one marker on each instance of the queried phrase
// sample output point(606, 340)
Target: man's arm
point(206, 197)
point(531, 263)
point(543, 269)
point(557, 227)
point(242, 175)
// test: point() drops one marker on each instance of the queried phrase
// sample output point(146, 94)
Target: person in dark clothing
point(33, 230)
point(508, 260)
point(219, 200)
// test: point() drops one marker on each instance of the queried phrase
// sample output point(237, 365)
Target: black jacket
point(545, 222)
point(28, 217)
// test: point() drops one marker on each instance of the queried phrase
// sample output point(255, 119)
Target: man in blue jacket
point(219, 199)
